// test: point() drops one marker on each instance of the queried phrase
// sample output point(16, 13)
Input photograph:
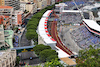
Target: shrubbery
point(89, 57)
point(45, 52)
point(53, 63)
point(39, 48)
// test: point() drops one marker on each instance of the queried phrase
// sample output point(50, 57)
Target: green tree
point(89, 58)
point(43, 10)
point(38, 15)
point(51, 57)
point(33, 66)
point(30, 34)
point(53, 63)
point(46, 53)
point(40, 47)
point(31, 27)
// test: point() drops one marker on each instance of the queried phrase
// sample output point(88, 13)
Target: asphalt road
point(24, 41)
point(25, 57)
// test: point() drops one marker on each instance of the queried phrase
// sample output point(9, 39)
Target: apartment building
point(52, 2)
point(7, 58)
point(14, 3)
point(6, 10)
point(22, 6)
point(31, 7)
point(41, 3)
point(6, 14)
point(28, 6)
point(5, 20)
point(2, 39)
point(48, 2)
point(17, 18)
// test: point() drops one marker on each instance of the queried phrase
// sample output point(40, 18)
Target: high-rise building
point(14, 3)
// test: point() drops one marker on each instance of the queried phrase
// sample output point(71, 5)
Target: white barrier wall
point(43, 35)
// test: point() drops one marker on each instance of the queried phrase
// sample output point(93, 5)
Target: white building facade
point(7, 58)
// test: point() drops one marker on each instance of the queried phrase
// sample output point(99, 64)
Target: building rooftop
point(6, 7)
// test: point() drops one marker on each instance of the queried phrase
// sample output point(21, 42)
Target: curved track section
point(59, 44)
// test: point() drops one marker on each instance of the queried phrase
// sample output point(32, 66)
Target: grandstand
point(84, 35)
point(71, 4)
point(71, 17)
point(81, 35)
point(84, 38)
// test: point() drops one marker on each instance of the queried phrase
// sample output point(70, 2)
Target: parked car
point(31, 58)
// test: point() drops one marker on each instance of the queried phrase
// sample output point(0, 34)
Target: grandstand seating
point(78, 2)
point(84, 38)
point(71, 18)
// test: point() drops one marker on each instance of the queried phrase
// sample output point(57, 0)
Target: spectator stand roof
point(92, 24)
